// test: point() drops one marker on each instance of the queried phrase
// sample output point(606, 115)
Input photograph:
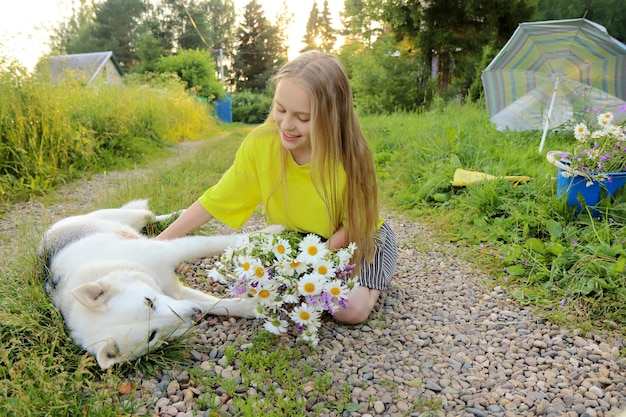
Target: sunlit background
point(25, 25)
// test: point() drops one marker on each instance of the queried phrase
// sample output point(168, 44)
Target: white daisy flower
point(345, 254)
point(266, 295)
point(310, 284)
point(291, 267)
point(243, 266)
point(276, 326)
point(581, 132)
point(258, 272)
point(311, 249)
point(615, 131)
point(605, 118)
point(337, 289)
point(305, 315)
point(281, 249)
point(310, 337)
point(324, 268)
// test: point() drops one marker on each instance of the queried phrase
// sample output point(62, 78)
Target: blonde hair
point(337, 140)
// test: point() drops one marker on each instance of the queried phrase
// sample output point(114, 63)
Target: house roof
point(90, 63)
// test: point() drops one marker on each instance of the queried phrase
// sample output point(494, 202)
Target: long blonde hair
point(337, 140)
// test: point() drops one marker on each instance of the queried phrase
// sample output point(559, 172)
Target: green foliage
point(451, 35)
point(571, 267)
point(362, 19)
point(52, 133)
point(169, 22)
point(195, 68)
point(609, 13)
point(249, 107)
point(387, 79)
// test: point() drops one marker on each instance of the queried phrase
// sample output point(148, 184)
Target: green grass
point(569, 268)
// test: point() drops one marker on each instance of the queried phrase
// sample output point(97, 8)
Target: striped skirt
point(378, 273)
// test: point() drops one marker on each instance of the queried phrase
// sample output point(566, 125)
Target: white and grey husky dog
point(118, 290)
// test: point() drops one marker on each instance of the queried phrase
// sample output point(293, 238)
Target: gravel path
point(438, 335)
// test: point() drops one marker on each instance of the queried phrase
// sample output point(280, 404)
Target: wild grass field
point(568, 267)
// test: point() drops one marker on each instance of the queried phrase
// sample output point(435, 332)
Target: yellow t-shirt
point(255, 177)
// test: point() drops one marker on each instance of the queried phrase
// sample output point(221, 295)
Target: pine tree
point(311, 38)
point(260, 51)
point(327, 34)
point(116, 27)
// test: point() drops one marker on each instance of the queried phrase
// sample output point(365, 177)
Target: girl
point(311, 167)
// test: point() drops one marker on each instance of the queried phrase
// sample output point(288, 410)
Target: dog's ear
point(109, 354)
point(93, 294)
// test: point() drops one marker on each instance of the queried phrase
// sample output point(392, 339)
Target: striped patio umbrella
point(551, 71)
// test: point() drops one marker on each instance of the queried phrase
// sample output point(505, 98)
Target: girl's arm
point(192, 218)
point(339, 239)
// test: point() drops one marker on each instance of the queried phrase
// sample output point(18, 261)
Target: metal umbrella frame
point(551, 71)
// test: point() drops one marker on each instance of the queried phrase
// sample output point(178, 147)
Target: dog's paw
point(273, 229)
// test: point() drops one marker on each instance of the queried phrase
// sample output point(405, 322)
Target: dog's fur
point(118, 290)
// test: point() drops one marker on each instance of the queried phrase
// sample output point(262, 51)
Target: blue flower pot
point(571, 187)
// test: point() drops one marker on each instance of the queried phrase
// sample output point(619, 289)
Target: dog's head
point(124, 317)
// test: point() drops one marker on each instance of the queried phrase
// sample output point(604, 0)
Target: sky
point(25, 24)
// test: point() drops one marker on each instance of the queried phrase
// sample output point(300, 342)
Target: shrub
point(251, 107)
point(195, 68)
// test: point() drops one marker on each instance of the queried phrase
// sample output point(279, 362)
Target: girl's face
point(292, 113)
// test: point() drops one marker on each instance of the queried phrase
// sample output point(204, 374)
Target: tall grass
point(50, 133)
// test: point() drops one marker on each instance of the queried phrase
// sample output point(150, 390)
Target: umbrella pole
point(545, 129)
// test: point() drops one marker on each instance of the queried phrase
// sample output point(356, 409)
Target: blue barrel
point(224, 109)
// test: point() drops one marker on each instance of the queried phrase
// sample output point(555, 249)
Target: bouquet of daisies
point(292, 278)
point(598, 151)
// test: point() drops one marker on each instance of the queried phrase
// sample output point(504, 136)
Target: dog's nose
point(197, 314)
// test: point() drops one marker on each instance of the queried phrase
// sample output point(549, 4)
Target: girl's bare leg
point(360, 305)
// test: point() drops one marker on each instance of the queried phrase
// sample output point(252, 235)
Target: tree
point(327, 33)
point(260, 52)
point(363, 20)
point(311, 38)
point(83, 12)
point(115, 27)
point(609, 13)
point(204, 24)
point(282, 22)
point(320, 34)
point(387, 79)
point(149, 51)
point(451, 35)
